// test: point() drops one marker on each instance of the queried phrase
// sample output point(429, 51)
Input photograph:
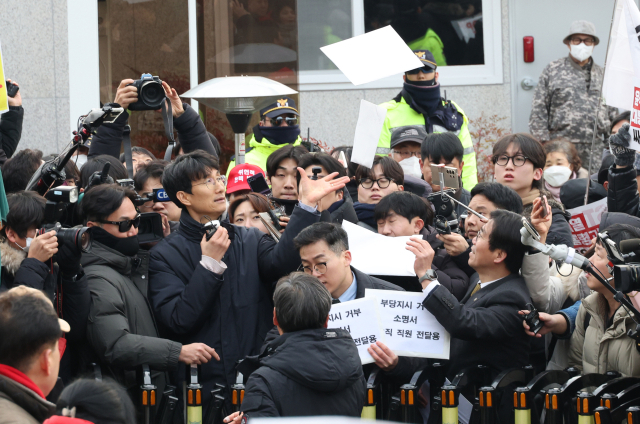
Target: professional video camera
point(58, 201)
point(151, 94)
point(624, 261)
point(51, 173)
point(150, 228)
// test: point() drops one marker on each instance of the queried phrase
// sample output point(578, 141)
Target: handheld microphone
point(560, 253)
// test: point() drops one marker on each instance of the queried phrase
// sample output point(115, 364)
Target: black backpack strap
point(587, 320)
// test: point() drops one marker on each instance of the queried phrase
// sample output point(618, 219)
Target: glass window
point(143, 37)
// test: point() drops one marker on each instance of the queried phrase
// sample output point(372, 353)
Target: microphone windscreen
point(631, 245)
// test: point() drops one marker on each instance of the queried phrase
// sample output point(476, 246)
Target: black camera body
point(446, 219)
point(150, 93)
point(60, 201)
point(533, 319)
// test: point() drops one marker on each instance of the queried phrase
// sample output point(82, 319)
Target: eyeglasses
point(589, 41)
point(382, 182)
point(320, 268)
point(211, 182)
point(503, 160)
point(480, 234)
point(424, 70)
point(277, 121)
point(406, 155)
point(124, 226)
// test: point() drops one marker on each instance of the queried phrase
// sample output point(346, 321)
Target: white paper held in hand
point(360, 318)
point(372, 56)
point(409, 328)
point(375, 254)
point(368, 128)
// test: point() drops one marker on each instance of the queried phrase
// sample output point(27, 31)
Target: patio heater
point(238, 97)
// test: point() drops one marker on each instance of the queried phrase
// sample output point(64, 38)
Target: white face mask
point(557, 175)
point(581, 52)
point(26, 248)
point(411, 167)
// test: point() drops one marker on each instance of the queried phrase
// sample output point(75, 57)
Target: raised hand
point(311, 191)
point(126, 94)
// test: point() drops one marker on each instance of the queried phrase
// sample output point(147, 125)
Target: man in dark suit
point(484, 326)
point(324, 250)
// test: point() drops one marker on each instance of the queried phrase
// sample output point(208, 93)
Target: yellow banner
point(4, 102)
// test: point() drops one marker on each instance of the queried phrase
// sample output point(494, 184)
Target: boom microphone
point(629, 246)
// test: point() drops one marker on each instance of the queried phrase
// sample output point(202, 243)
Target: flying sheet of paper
point(410, 329)
point(372, 56)
point(360, 318)
point(375, 254)
point(368, 128)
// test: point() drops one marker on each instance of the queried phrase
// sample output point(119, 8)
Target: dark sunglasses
point(124, 226)
point(277, 121)
point(424, 70)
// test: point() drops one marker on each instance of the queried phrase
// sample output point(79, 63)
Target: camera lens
point(77, 237)
point(152, 94)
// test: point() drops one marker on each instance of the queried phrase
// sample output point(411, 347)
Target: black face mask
point(281, 135)
point(424, 95)
point(128, 246)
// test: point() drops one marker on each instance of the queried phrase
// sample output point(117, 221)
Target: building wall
point(34, 41)
point(332, 115)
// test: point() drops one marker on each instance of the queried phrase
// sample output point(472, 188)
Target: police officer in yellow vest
point(420, 103)
point(278, 127)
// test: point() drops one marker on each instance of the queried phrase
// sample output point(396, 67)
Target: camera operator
point(217, 290)
point(11, 126)
point(117, 171)
point(339, 203)
point(599, 341)
point(191, 130)
point(17, 171)
point(121, 331)
point(406, 214)
point(485, 198)
point(148, 178)
point(38, 261)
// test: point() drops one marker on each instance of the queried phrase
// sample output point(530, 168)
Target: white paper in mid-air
point(375, 254)
point(368, 128)
point(409, 328)
point(360, 318)
point(372, 56)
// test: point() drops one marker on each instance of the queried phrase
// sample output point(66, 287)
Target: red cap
point(238, 177)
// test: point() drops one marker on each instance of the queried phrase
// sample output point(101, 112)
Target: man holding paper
point(484, 325)
point(420, 103)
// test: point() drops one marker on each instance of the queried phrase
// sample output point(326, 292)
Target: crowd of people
point(246, 274)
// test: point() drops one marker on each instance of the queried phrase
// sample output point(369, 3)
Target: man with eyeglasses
point(278, 127)
point(420, 104)
point(121, 330)
point(565, 100)
point(218, 290)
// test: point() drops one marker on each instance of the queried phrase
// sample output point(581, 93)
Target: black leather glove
point(68, 260)
point(619, 147)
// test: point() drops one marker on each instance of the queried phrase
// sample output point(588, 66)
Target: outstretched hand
point(619, 147)
point(312, 191)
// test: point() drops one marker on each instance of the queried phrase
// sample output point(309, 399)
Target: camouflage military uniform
point(564, 105)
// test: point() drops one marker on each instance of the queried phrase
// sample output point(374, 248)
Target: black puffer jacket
point(10, 132)
point(286, 386)
point(449, 274)
point(622, 194)
point(231, 312)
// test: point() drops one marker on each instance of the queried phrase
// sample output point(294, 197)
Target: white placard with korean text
point(410, 329)
point(361, 319)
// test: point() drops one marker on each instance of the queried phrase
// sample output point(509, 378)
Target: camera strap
point(128, 157)
point(167, 117)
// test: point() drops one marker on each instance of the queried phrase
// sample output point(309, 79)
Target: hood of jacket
point(607, 219)
point(332, 351)
point(103, 255)
point(11, 258)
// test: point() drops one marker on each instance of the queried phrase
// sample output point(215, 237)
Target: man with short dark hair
point(30, 331)
point(139, 157)
point(278, 127)
point(444, 149)
point(405, 214)
point(122, 332)
point(217, 290)
point(149, 177)
point(483, 326)
point(339, 203)
point(282, 175)
point(308, 370)
point(17, 171)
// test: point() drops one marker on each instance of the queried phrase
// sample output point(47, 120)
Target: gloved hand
point(619, 147)
point(68, 260)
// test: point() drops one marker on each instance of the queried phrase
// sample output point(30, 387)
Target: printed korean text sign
point(360, 318)
point(585, 222)
point(409, 329)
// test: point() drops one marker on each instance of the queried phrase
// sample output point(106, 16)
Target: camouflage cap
point(582, 27)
